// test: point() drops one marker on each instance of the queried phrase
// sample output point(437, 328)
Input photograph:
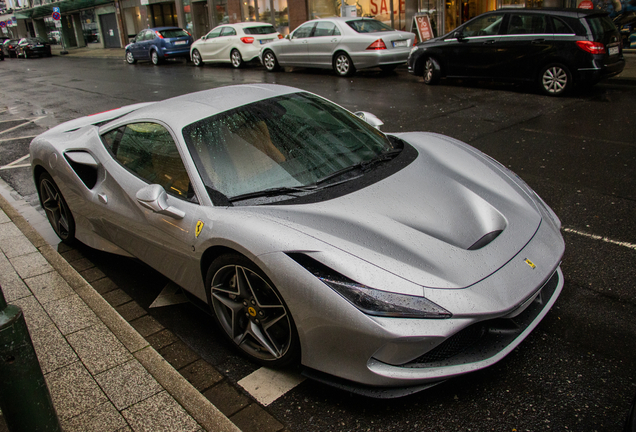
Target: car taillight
point(591, 47)
point(280, 36)
point(247, 39)
point(377, 45)
point(158, 35)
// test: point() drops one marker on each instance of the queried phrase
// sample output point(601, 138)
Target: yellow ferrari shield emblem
point(251, 311)
point(199, 228)
point(530, 263)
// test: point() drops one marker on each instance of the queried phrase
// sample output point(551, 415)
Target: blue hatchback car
point(158, 44)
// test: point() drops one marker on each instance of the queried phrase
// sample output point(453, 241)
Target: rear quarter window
point(260, 30)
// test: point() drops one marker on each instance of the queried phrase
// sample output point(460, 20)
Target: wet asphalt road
point(577, 371)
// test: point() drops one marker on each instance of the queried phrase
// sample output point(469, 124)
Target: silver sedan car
point(344, 44)
point(382, 263)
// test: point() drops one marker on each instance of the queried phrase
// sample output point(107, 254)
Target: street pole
point(25, 400)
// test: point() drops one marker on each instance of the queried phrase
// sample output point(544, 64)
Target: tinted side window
point(214, 33)
point(147, 150)
point(527, 24)
point(560, 27)
point(304, 31)
point(325, 29)
point(484, 26)
point(259, 30)
point(228, 31)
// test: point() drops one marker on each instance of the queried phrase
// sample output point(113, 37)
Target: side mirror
point(458, 35)
point(370, 118)
point(155, 198)
point(288, 36)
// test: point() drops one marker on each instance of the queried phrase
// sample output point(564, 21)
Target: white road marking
point(17, 138)
point(598, 237)
point(23, 124)
point(16, 119)
point(16, 164)
point(267, 385)
point(170, 295)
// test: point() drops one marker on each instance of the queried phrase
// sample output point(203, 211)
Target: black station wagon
point(556, 48)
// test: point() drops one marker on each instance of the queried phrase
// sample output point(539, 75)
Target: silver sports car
point(390, 261)
point(344, 44)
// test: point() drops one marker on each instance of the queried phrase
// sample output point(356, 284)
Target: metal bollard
point(25, 400)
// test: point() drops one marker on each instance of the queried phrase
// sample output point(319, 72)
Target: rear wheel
point(251, 312)
point(432, 72)
point(236, 59)
point(130, 58)
point(343, 65)
point(56, 209)
point(270, 62)
point(154, 57)
point(555, 79)
point(196, 58)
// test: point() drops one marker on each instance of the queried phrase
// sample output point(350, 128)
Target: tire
point(236, 59)
point(57, 211)
point(270, 62)
point(432, 72)
point(251, 312)
point(196, 58)
point(130, 58)
point(154, 58)
point(555, 79)
point(343, 65)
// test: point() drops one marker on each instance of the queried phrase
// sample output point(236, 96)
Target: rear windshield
point(268, 29)
point(368, 26)
point(173, 33)
point(600, 25)
point(35, 41)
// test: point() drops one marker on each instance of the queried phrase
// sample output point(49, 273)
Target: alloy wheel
point(236, 59)
point(196, 58)
point(56, 209)
point(269, 61)
point(555, 80)
point(342, 64)
point(251, 312)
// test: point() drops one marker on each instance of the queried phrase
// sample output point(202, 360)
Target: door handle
point(489, 42)
point(103, 198)
point(334, 40)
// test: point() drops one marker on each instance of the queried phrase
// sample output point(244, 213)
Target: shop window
point(89, 26)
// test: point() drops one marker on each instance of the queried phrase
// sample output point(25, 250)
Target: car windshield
point(260, 30)
point(34, 41)
point(290, 141)
point(368, 26)
point(173, 33)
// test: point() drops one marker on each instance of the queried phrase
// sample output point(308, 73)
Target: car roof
point(183, 110)
point(165, 28)
point(578, 13)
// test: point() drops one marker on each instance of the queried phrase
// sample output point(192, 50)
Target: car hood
point(422, 222)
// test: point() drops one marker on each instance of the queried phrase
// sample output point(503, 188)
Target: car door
point(207, 48)
point(471, 51)
point(525, 43)
point(322, 44)
point(144, 46)
point(135, 48)
point(145, 160)
point(224, 43)
point(295, 51)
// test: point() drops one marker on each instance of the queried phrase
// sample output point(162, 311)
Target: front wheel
point(270, 62)
point(56, 209)
point(555, 80)
point(343, 65)
point(236, 59)
point(196, 58)
point(251, 312)
point(130, 58)
point(154, 57)
point(432, 71)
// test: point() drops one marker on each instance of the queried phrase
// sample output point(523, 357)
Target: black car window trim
point(120, 129)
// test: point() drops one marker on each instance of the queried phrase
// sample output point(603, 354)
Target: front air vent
point(87, 173)
point(485, 240)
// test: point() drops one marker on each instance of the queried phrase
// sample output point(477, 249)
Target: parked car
point(233, 43)
point(297, 222)
point(556, 48)
point(341, 44)
point(158, 44)
point(10, 47)
point(30, 47)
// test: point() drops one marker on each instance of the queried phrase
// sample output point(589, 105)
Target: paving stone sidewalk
point(101, 373)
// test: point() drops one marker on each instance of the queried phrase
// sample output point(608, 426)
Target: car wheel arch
point(352, 66)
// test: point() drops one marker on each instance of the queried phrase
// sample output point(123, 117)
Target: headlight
point(368, 300)
point(413, 50)
point(386, 304)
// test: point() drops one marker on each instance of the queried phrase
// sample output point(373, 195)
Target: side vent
point(84, 165)
point(485, 240)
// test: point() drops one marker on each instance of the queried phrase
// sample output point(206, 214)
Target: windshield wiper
point(284, 190)
point(364, 165)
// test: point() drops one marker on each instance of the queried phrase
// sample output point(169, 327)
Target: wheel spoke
point(263, 340)
point(235, 310)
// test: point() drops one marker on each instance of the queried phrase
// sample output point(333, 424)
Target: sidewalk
point(101, 373)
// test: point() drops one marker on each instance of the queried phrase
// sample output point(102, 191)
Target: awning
point(65, 6)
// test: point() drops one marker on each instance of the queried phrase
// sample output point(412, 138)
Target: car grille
point(485, 339)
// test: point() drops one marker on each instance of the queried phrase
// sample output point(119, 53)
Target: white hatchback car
point(233, 43)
